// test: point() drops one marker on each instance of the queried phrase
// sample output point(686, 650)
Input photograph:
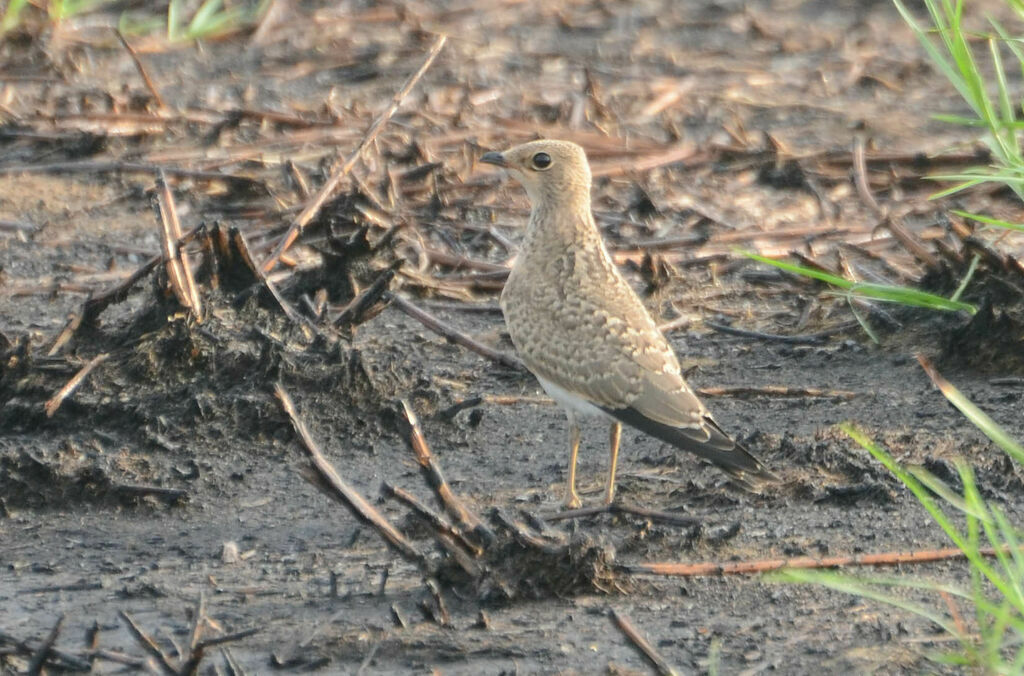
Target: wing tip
point(720, 449)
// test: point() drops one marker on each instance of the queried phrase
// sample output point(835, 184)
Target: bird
point(583, 331)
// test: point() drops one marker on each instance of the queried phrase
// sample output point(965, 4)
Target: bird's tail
point(708, 442)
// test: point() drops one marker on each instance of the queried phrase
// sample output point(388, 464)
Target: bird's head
point(553, 172)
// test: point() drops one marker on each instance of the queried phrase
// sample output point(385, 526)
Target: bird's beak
point(494, 158)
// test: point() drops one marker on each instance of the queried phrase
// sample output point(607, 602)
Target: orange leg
point(572, 499)
point(613, 438)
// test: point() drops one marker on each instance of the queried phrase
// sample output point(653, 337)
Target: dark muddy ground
point(723, 124)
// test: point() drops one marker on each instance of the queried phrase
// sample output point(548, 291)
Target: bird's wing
point(630, 371)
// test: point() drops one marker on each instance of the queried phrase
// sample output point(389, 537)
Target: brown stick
point(443, 617)
point(526, 538)
point(313, 208)
point(809, 338)
point(228, 638)
point(776, 391)
point(430, 516)
point(625, 625)
point(35, 665)
point(453, 335)
point(142, 70)
point(366, 298)
point(431, 470)
point(97, 304)
point(195, 650)
point(178, 268)
point(148, 644)
point(911, 242)
point(98, 167)
point(63, 393)
point(68, 661)
point(341, 491)
point(860, 176)
point(242, 247)
point(671, 568)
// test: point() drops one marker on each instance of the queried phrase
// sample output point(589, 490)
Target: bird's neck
point(562, 224)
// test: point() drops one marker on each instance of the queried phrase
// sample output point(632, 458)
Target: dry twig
point(431, 471)
point(179, 270)
point(54, 402)
point(35, 665)
point(626, 626)
point(142, 70)
point(765, 565)
point(452, 334)
point(332, 483)
point(149, 645)
point(776, 391)
point(313, 208)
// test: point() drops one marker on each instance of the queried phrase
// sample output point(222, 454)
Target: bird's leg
point(572, 499)
point(613, 439)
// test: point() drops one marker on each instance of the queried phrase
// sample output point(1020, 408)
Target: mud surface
point(175, 445)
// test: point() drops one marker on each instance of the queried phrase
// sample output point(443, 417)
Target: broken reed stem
point(341, 491)
point(69, 388)
point(776, 391)
point(452, 335)
point(148, 644)
point(625, 625)
point(860, 176)
point(313, 208)
point(117, 293)
point(142, 70)
point(911, 242)
point(437, 521)
point(35, 665)
point(443, 617)
point(800, 339)
point(227, 638)
point(195, 648)
point(178, 268)
point(674, 569)
point(365, 299)
point(435, 479)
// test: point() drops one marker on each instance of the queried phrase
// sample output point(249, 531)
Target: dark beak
point(494, 158)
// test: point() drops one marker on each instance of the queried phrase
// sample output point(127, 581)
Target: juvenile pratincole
point(583, 331)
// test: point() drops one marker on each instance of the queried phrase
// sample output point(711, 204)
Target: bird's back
point(576, 321)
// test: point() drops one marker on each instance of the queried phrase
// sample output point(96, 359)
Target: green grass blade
point(882, 292)
point(988, 220)
point(981, 420)
point(967, 279)
point(907, 296)
point(175, 20)
point(800, 270)
point(857, 587)
point(939, 487)
point(924, 497)
point(862, 321)
point(12, 17)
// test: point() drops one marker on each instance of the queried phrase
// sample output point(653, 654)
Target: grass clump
point(181, 24)
point(991, 544)
point(991, 637)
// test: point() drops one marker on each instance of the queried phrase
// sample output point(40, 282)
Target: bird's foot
point(572, 501)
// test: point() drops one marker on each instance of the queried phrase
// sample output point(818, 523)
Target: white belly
point(572, 402)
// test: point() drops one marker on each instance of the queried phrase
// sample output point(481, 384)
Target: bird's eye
point(541, 161)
